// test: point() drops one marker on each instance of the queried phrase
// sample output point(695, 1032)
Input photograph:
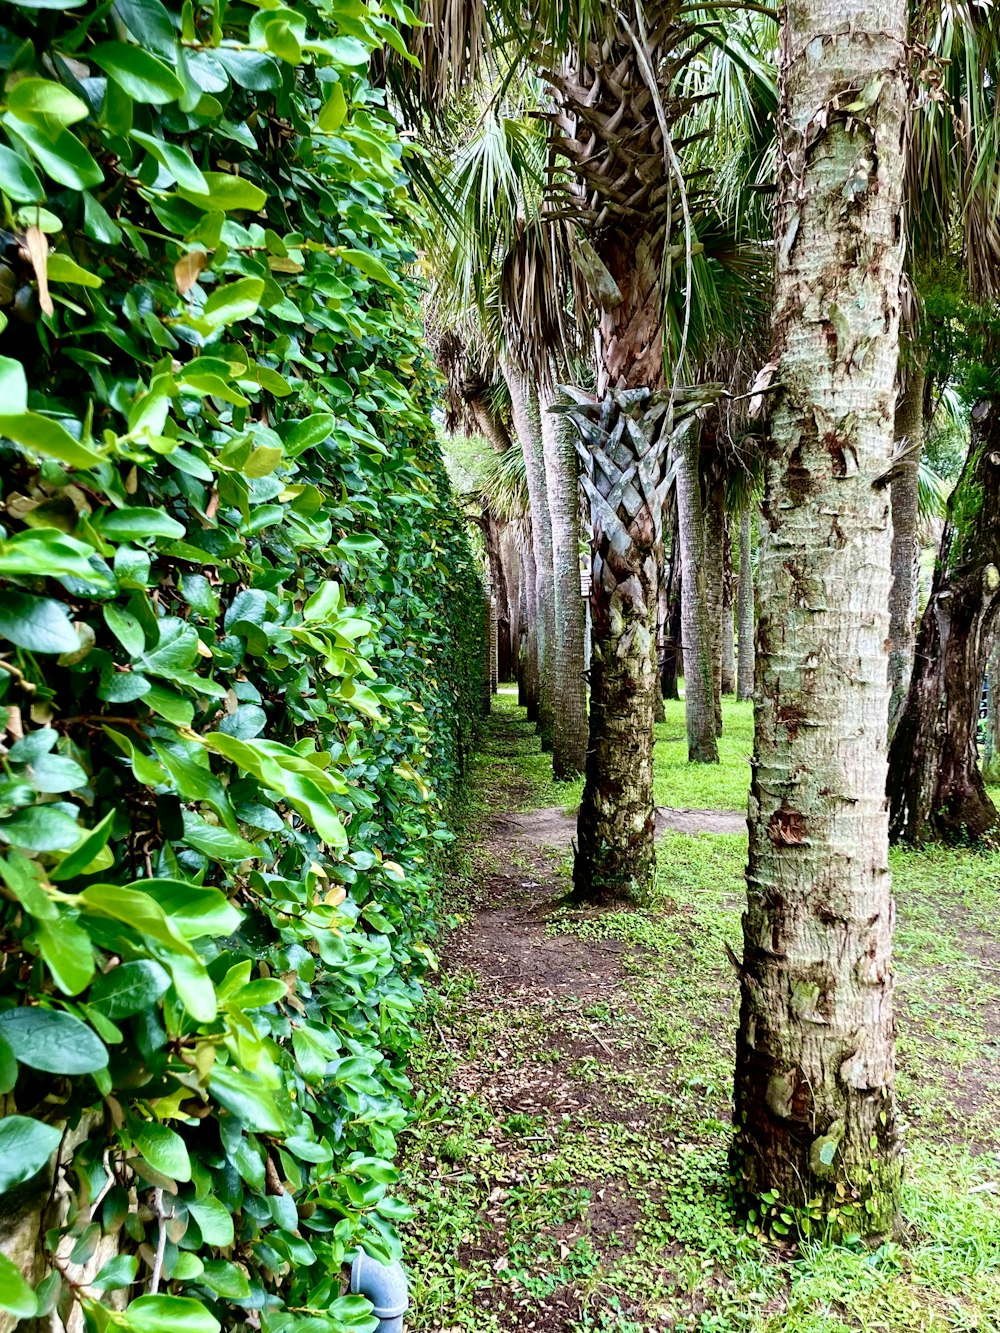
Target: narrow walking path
point(568, 1172)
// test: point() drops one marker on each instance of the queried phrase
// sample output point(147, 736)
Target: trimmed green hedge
point(241, 638)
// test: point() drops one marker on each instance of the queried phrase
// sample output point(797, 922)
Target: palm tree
point(934, 786)
point(606, 233)
point(500, 257)
point(814, 1106)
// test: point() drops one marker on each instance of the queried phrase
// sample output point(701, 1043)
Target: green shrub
point(241, 657)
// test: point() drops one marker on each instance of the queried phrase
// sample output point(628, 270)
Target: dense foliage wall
point(240, 660)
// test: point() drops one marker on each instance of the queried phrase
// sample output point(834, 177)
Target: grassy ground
point(568, 1174)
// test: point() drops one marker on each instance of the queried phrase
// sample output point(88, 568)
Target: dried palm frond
point(953, 170)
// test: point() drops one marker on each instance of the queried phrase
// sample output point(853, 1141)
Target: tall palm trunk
point(905, 545)
point(569, 698)
point(728, 616)
point(815, 1117)
point(935, 787)
point(698, 629)
point(528, 425)
point(624, 476)
point(745, 613)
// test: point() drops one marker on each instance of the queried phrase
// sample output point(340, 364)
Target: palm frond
point(932, 493)
point(505, 484)
point(953, 184)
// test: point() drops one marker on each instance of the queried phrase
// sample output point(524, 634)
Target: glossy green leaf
point(62, 268)
point(126, 629)
point(16, 1297)
point(169, 1314)
point(137, 522)
point(120, 1271)
point(214, 1221)
point(140, 912)
point(63, 157)
point(194, 910)
point(247, 1099)
point(225, 193)
point(68, 953)
point(84, 853)
point(334, 110)
point(44, 436)
point(129, 988)
point(163, 1148)
point(234, 302)
point(41, 99)
point(25, 1147)
point(20, 182)
point(372, 267)
point(141, 75)
point(53, 1041)
point(13, 384)
point(177, 161)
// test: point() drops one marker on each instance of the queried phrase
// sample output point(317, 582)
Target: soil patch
point(552, 826)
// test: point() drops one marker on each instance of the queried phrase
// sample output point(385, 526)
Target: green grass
point(569, 1169)
point(721, 786)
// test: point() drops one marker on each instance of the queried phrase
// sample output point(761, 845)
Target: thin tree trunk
point(935, 787)
point(527, 423)
point(696, 604)
point(530, 678)
point(569, 696)
point(491, 427)
point(905, 545)
point(745, 613)
point(510, 563)
point(493, 528)
point(662, 630)
point(815, 1116)
point(991, 746)
point(713, 537)
point(621, 442)
point(672, 646)
point(728, 616)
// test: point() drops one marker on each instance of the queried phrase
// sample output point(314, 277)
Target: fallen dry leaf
point(188, 268)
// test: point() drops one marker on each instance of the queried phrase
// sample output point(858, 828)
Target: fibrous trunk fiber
point(623, 451)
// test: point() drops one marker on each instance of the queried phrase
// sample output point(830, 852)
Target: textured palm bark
point(815, 1115)
point(623, 452)
point(569, 696)
point(935, 788)
point(746, 614)
point(728, 616)
point(631, 332)
point(699, 627)
point(527, 424)
point(905, 543)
